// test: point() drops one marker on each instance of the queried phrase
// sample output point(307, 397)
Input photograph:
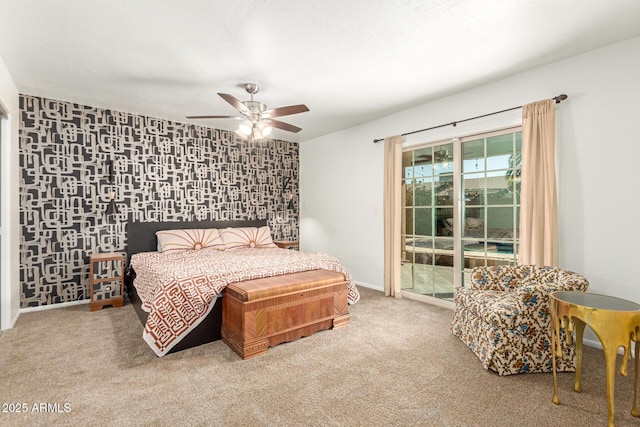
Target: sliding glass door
point(460, 210)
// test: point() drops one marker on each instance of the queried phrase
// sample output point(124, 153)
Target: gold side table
point(615, 321)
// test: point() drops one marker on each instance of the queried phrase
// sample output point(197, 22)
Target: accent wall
point(72, 157)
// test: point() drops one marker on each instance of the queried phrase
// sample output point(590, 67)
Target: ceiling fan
point(257, 121)
point(439, 156)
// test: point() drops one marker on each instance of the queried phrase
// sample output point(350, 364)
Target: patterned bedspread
point(179, 289)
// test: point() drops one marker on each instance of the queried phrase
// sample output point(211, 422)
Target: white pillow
point(247, 237)
point(189, 239)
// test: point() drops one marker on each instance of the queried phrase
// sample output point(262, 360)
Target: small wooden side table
point(615, 321)
point(106, 288)
point(287, 244)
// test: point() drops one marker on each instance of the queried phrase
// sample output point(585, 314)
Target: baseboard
point(52, 306)
point(11, 324)
point(367, 285)
point(14, 320)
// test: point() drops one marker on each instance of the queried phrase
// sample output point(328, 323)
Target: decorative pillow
point(189, 239)
point(247, 237)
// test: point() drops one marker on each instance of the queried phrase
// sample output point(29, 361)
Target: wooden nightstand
point(106, 280)
point(287, 244)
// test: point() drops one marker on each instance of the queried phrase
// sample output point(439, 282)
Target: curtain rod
point(558, 100)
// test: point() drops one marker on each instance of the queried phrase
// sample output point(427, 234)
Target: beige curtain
point(392, 214)
point(538, 197)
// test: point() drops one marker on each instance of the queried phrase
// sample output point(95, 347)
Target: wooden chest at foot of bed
point(261, 313)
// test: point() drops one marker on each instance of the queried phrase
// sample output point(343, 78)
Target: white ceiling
point(349, 61)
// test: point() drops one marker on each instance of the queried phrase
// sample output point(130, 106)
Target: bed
point(183, 308)
point(141, 237)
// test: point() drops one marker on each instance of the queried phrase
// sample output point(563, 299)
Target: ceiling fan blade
point(285, 111)
point(237, 104)
point(284, 126)
point(213, 117)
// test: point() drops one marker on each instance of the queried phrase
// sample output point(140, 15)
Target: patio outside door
point(461, 207)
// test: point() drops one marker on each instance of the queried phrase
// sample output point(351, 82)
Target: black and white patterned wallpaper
point(162, 171)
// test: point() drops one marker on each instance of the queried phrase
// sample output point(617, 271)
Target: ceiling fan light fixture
point(245, 128)
point(265, 129)
point(257, 134)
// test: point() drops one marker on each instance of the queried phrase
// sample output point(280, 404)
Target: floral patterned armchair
point(504, 317)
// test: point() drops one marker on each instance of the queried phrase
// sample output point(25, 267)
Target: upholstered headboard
point(141, 236)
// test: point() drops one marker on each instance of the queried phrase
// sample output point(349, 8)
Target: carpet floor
point(395, 364)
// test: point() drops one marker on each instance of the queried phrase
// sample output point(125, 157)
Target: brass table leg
point(579, 334)
point(635, 412)
point(555, 341)
point(610, 362)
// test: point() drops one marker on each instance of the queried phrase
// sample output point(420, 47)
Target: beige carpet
point(395, 364)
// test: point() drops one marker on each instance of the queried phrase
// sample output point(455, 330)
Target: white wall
point(598, 161)
point(9, 280)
